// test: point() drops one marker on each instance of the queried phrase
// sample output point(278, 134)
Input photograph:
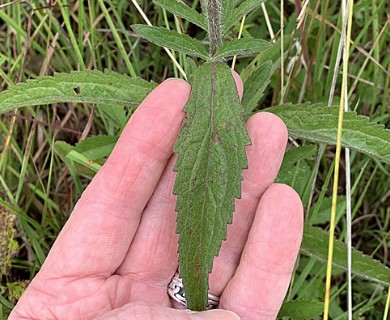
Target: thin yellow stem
point(239, 37)
point(268, 22)
point(337, 163)
point(387, 306)
point(281, 51)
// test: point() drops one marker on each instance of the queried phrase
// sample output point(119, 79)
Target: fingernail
point(217, 314)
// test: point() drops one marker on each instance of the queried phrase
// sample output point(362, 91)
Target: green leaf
point(272, 54)
point(241, 47)
point(315, 244)
point(116, 113)
point(96, 147)
point(227, 9)
point(298, 177)
point(255, 86)
point(299, 310)
point(297, 154)
point(89, 153)
point(84, 161)
point(295, 171)
point(243, 9)
point(319, 124)
point(323, 208)
point(172, 40)
point(211, 155)
point(81, 87)
point(180, 9)
point(62, 149)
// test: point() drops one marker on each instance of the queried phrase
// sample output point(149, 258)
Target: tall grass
point(37, 38)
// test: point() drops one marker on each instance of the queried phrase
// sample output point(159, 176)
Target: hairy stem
point(213, 13)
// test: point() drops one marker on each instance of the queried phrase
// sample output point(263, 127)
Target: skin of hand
point(117, 252)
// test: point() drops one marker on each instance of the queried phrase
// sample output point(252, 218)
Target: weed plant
point(42, 174)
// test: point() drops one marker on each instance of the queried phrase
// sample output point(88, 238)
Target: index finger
point(100, 229)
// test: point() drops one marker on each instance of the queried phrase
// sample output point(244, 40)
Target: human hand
point(117, 253)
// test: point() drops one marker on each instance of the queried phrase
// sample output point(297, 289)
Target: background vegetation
point(38, 191)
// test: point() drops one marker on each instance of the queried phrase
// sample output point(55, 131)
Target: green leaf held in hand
point(241, 47)
point(172, 40)
point(318, 123)
point(81, 87)
point(211, 156)
point(182, 10)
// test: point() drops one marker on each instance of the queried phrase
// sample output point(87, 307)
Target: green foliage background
point(37, 39)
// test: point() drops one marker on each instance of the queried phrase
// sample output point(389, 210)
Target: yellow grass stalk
point(337, 160)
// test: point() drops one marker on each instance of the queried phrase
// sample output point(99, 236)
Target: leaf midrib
point(209, 153)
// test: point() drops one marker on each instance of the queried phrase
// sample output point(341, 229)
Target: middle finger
point(269, 137)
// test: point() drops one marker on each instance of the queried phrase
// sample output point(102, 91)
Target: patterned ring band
point(176, 292)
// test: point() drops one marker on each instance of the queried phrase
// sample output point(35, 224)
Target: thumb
point(144, 311)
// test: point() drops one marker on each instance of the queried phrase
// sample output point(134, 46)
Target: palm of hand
point(118, 251)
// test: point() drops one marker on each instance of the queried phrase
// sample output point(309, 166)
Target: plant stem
point(213, 14)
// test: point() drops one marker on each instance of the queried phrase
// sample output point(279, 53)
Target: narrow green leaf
point(211, 155)
point(4, 302)
point(255, 86)
point(227, 9)
point(295, 171)
point(300, 310)
point(241, 47)
point(180, 9)
point(315, 244)
point(81, 87)
point(298, 154)
point(116, 113)
point(323, 208)
point(172, 40)
point(88, 155)
point(243, 9)
point(62, 149)
point(96, 147)
point(83, 160)
point(272, 54)
point(319, 124)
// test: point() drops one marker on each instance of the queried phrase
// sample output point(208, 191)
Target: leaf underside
point(243, 9)
point(79, 87)
point(241, 47)
point(172, 40)
point(211, 156)
point(319, 124)
point(315, 244)
point(183, 10)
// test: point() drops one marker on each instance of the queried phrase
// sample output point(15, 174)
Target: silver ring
point(176, 292)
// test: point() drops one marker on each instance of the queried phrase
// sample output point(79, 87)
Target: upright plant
point(211, 144)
